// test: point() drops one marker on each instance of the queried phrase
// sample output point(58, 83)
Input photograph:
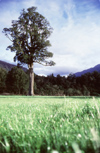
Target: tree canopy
point(29, 35)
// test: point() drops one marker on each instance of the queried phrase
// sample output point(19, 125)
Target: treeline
point(16, 81)
point(13, 82)
point(85, 85)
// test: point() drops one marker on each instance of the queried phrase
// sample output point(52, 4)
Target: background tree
point(17, 81)
point(3, 75)
point(29, 35)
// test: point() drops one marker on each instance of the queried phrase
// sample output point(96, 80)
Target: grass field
point(49, 124)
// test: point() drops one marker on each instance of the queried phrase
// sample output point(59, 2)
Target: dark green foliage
point(86, 85)
point(17, 81)
point(3, 75)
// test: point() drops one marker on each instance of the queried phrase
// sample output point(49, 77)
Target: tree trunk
point(31, 80)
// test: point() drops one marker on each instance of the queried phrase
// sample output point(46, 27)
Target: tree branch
point(51, 63)
point(8, 37)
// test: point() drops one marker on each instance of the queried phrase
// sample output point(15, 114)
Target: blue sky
point(76, 36)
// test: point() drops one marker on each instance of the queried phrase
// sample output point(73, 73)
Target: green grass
point(48, 124)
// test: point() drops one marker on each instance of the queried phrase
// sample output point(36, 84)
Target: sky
point(76, 32)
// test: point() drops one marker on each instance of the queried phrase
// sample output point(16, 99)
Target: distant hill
point(90, 70)
point(9, 66)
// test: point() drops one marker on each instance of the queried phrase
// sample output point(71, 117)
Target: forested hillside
point(16, 82)
point(8, 66)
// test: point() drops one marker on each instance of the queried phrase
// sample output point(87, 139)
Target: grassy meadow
point(49, 124)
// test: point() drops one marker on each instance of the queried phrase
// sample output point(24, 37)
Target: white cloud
point(77, 42)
